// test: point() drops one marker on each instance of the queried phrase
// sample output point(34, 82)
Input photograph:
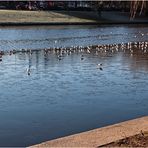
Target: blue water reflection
point(45, 37)
point(62, 97)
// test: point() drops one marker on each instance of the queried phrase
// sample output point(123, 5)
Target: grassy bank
point(19, 17)
point(14, 16)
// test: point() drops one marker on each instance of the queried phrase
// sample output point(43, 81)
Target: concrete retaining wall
point(100, 136)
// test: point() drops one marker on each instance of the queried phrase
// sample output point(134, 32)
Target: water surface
point(60, 36)
point(71, 95)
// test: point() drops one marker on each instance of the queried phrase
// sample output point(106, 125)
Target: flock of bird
point(97, 49)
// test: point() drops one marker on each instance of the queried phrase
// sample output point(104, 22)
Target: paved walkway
point(101, 136)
